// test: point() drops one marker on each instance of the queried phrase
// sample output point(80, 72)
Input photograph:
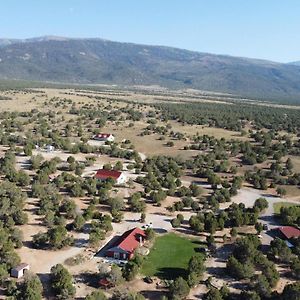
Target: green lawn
point(277, 206)
point(169, 256)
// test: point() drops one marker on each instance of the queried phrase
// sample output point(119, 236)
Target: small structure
point(105, 283)
point(118, 176)
point(19, 270)
point(125, 246)
point(50, 148)
point(104, 137)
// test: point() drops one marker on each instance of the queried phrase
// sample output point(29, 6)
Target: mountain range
point(295, 63)
point(99, 61)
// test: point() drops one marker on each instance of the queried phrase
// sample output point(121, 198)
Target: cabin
point(118, 176)
point(104, 137)
point(287, 233)
point(125, 246)
point(19, 271)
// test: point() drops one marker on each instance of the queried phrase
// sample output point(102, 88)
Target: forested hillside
point(100, 61)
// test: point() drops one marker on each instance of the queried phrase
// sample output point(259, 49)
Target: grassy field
point(169, 256)
point(277, 206)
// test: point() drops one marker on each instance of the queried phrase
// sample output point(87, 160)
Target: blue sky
point(268, 29)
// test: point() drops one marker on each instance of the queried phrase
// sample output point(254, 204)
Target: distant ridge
point(295, 63)
point(95, 60)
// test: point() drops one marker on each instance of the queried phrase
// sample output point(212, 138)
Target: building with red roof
point(118, 176)
point(288, 232)
point(125, 246)
point(104, 137)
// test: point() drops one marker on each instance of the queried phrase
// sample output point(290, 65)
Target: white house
point(104, 137)
point(19, 270)
point(118, 176)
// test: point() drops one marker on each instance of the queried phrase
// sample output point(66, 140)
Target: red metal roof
point(289, 231)
point(105, 174)
point(130, 240)
point(104, 282)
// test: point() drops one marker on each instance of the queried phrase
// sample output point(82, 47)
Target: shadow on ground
point(171, 273)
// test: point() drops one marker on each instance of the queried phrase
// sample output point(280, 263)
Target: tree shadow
point(273, 233)
point(168, 220)
point(216, 271)
point(269, 195)
point(44, 277)
point(160, 230)
point(187, 231)
point(89, 279)
point(131, 221)
point(270, 219)
point(153, 295)
point(80, 242)
point(223, 252)
point(45, 280)
point(25, 165)
point(29, 245)
point(171, 273)
point(159, 213)
point(102, 251)
point(199, 242)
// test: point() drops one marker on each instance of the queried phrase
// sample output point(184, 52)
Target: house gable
point(128, 242)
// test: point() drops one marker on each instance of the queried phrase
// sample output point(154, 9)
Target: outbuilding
point(19, 270)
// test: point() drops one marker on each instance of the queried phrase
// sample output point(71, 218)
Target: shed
point(19, 270)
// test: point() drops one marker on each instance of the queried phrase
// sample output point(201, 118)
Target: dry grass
point(296, 163)
point(148, 144)
point(218, 133)
point(291, 190)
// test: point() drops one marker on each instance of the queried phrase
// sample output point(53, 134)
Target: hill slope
point(101, 61)
point(295, 63)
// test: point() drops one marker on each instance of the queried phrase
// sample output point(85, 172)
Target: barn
point(125, 246)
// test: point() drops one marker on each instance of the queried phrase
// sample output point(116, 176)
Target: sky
point(267, 29)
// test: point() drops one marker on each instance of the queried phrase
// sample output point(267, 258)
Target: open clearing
point(169, 256)
point(296, 163)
